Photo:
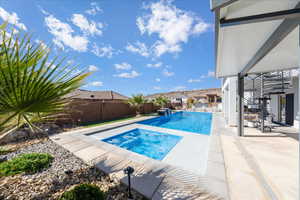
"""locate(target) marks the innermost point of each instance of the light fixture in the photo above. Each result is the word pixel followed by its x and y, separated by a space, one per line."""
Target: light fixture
pixel 128 171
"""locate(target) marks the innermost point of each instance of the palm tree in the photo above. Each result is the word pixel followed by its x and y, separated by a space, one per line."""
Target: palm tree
pixel 137 101
pixel 32 87
pixel 190 102
pixel 161 101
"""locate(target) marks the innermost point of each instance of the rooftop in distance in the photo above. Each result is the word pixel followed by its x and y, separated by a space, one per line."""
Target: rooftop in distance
pixel 99 95
pixel 188 93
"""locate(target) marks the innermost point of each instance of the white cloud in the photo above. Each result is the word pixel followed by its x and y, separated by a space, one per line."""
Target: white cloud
pixel 93 68
pixel 172 25
pixel 62 33
pixel 139 48
pixel 157 79
pixel 157 88
pixel 42 44
pixel 11 18
pixel 167 73
pixel 160 48
pixel 194 80
pixel 179 88
pixel 60 45
pixel 94 9
pixel 70 62
pixel 123 66
pixel 131 74
pixel 156 65
pixel 200 28
pixel 141 24
pixel 96 83
pixel 104 51
pixel 44 11
pixel 209 74
pixel 89 28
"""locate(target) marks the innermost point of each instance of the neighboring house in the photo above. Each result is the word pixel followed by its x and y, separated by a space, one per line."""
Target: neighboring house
pixel 201 99
pixel 204 98
pixel 94 106
pixel 181 99
pixel 210 99
pixel 104 96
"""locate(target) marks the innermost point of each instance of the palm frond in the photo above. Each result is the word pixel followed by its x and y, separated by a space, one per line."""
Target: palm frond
pixel 161 101
pixel 32 88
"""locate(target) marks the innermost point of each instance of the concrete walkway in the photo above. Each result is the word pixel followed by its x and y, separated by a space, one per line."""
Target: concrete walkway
pixel 261 166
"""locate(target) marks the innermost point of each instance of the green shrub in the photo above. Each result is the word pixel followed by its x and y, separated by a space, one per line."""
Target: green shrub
pixel 29 163
pixel 83 192
pixel 4 151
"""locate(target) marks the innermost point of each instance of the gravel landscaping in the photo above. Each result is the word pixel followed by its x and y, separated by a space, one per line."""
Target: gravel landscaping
pixel 65 171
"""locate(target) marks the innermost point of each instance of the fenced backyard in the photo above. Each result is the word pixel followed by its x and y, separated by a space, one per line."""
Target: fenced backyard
pixel 83 111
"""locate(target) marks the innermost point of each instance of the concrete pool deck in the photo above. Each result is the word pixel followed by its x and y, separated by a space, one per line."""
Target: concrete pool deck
pixel 182 174
pixel 261 165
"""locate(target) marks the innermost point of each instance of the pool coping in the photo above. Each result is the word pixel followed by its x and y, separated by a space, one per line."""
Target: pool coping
pixel 160 176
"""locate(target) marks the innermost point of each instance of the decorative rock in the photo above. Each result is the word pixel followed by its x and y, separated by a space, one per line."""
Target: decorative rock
pixel 3 159
pixel 68 172
pixel 25 133
pixel 52 182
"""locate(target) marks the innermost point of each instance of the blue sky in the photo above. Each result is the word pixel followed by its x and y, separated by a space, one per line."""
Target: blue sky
pixel 132 46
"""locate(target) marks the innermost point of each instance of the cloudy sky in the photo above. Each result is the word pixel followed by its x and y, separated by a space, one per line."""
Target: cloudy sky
pixel 131 46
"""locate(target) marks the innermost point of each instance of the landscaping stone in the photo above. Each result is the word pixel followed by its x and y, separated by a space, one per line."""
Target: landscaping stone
pixel 3 159
pixel 25 133
pixel 52 182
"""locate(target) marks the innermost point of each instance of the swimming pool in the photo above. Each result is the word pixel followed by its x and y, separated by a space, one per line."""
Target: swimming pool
pixel 152 144
pixel 196 122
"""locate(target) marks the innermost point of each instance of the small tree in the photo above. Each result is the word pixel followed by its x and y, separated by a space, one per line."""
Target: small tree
pixel 161 101
pixel 32 87
pixel 137 101
pixel 190 102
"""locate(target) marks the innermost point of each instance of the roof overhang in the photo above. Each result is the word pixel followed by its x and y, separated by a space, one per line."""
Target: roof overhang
pixel 256 36
pixel 217 4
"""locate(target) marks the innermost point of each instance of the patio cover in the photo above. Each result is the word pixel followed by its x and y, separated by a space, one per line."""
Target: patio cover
pixel 266 41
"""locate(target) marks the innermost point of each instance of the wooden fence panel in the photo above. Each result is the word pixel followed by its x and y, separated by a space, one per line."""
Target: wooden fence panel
pixel 85 111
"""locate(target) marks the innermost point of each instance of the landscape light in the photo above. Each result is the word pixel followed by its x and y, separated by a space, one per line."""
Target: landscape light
pixel 128 171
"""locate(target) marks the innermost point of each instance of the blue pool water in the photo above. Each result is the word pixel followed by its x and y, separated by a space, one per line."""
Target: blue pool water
pixel 197 122
pixel 155 145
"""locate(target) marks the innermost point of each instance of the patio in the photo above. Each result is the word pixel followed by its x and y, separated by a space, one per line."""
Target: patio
pixel 261 165
pixel 259 38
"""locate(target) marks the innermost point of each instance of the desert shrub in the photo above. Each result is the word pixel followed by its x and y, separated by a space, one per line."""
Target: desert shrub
pixel 28 163
pixel 4 151
pixel 82 192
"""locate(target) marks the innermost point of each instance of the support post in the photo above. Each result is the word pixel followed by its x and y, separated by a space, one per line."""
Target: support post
pixel 262 104
pixel 298 115
pixel 240 95
pixel 299 110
